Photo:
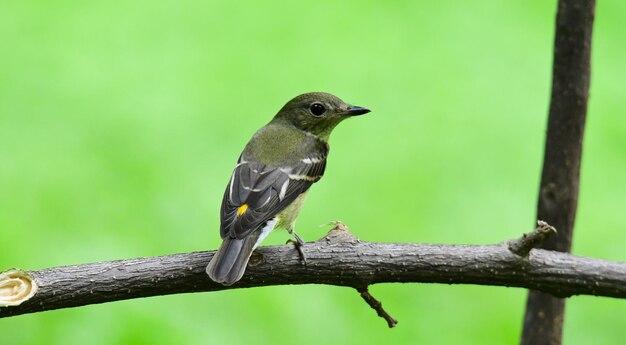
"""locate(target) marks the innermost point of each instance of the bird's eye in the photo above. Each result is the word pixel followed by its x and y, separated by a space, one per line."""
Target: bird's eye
pixel 317 109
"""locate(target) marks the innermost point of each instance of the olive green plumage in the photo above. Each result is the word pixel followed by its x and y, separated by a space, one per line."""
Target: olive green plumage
pixel 271 179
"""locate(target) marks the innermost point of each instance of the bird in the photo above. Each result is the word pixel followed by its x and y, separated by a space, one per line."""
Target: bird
pixel 272 178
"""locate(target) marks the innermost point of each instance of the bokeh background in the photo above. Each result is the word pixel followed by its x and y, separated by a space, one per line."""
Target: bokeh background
pixel 120 123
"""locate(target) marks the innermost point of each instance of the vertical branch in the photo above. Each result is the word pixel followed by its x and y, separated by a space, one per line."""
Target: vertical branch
pixel 558 194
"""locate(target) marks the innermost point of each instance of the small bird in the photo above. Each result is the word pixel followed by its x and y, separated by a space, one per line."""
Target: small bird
pixel 272 176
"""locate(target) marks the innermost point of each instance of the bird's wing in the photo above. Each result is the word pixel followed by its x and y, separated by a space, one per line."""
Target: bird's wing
pixel 256 192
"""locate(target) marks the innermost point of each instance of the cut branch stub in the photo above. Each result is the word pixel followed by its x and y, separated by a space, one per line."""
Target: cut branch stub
pixel 339 233
pixel 16 287
pixel 524 244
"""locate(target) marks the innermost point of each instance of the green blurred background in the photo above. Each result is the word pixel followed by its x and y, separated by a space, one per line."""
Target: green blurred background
pixel 120 123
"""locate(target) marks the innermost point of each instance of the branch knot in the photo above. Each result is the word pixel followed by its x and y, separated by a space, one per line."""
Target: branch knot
pixel 523 245
pixel 339 234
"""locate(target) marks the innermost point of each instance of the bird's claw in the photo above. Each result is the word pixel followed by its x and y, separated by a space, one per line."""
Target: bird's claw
pixel 298 243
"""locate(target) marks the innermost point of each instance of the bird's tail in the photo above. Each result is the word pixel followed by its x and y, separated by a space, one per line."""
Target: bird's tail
pixel 230 261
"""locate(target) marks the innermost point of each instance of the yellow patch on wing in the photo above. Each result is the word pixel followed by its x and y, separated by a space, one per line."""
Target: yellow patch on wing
pixel 242 209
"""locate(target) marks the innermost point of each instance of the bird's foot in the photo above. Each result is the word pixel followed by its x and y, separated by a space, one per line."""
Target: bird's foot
pixel 298 243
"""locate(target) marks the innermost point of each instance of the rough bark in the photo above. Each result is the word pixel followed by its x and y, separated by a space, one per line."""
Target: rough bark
pixel 558 194
pixel 337 259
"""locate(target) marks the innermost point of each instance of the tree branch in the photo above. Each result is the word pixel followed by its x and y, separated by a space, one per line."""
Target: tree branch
pixel 336 259
pixel 558 194
pixel 378 307
pixel 523 245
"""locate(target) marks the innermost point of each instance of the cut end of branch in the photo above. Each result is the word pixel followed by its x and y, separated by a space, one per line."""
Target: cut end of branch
pixel 378 306
pixel 16 287
pixel 523 245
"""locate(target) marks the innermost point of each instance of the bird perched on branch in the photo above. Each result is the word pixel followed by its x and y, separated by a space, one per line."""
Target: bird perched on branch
pixel 271 179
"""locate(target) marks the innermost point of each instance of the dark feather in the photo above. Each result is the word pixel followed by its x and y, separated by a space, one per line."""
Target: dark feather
pixel 230 261
pixel 262 188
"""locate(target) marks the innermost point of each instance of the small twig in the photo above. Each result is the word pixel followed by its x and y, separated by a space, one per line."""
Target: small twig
pixel 341 233
pixel 378 306
pixel 524 244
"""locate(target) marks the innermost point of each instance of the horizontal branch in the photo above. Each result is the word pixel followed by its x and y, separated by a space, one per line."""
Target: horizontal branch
pixel 337 259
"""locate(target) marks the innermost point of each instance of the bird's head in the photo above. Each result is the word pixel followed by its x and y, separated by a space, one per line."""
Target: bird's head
pixel 317 112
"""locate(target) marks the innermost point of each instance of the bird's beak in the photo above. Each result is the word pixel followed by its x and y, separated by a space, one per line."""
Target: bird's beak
pixel 354 110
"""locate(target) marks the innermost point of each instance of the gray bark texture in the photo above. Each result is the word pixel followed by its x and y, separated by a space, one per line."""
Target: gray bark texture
pixel 558 194
pixel 337 259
